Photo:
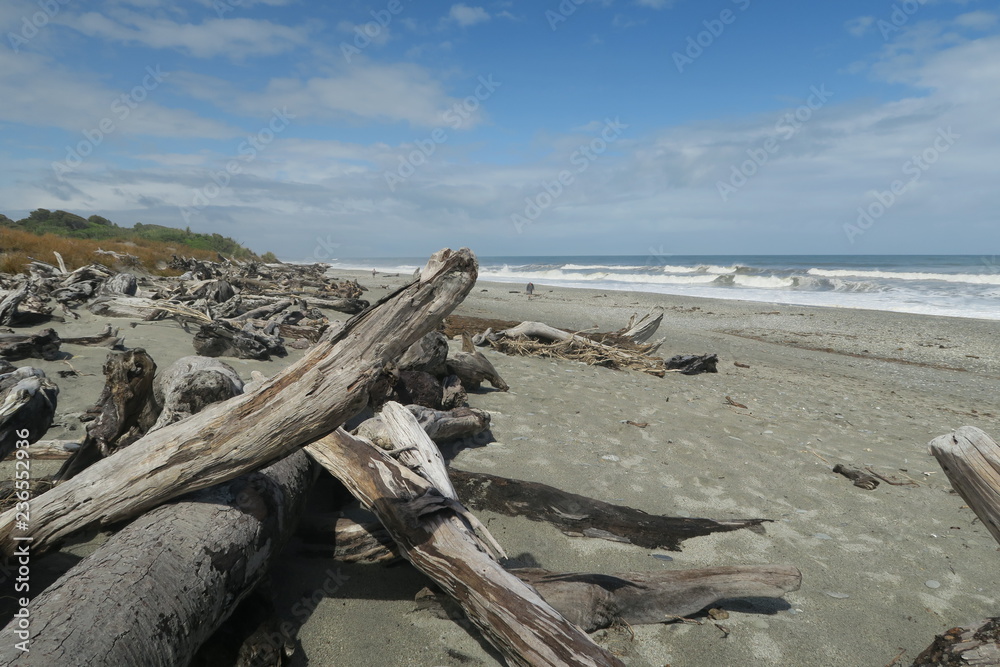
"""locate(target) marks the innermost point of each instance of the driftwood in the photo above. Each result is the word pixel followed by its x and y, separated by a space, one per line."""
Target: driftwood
pixel 579 516
pixel 453 394
pixel 155 591
pixel 42 345
pixel 431 532
pixel 8 307
pixel 121 283
pixel 107 337
pixel 692 364
pixel 221 339
pixel 52 450
pixel 125 410
pixel 429 354
pixel 27 405
pixel 539 339
pixel 971 460
pixel 133 307
pixel 300 404
pixel 472 367
pixel 349 306
pixel 190 384
pixel 861 479
pixel 641 330
pixel 348 541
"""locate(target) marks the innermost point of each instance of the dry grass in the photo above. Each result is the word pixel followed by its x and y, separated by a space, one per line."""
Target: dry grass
pixel 18 247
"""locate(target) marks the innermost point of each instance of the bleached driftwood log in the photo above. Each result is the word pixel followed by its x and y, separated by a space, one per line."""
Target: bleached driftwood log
pixel 971 459
pixel 431 532
pixel 641 330
pixel 27 406
pixel 429 354
pixel 303 402
pixel 157 589
pixel 190 384
pixel 9 304
pixel 439 425
pixel 472 367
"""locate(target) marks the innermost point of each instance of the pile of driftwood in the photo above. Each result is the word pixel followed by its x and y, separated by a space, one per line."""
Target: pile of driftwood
pixel 203 479
pixel 623 349
pixel 243 309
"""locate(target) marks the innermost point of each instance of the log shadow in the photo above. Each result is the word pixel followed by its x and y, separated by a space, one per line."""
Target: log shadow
pixel 45 571
pixel 753 605
pixel 451 448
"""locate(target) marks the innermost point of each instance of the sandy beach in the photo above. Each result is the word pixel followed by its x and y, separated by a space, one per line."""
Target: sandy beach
pixel 883 570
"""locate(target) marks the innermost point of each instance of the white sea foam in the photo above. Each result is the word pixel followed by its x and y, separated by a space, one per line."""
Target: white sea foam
pixel 972 278
pixel 764 282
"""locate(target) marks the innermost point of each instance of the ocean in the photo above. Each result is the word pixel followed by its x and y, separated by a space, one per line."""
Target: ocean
pixel 952 285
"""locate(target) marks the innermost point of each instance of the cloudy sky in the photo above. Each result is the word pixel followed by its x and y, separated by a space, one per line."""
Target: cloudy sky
pixel 394 128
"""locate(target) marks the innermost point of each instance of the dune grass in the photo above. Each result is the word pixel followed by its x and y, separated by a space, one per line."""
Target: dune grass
pixel 18 248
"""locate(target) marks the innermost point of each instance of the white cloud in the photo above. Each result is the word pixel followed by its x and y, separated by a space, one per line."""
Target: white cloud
pixel 365 90
pixel 233 37
pixel 859 26
pixel 465 16
pixel 979 20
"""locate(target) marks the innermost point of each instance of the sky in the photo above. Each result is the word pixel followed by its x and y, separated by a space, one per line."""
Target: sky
pixel 394 128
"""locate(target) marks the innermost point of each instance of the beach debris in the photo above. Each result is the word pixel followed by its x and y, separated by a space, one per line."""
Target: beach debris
pixel 28 402
pixel 978 644
pixel 636 424
pixel 42 345
pixel 740 364
pixel 862 480
pixel 472 367
pixel 640 329
pixel 573 514
pixel 611 350
pixel 730 401
pixel 109 338
pixel 693 364
pixel 838 596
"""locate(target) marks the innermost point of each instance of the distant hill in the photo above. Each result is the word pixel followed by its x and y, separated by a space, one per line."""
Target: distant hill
pixel 77 239
pixel 97 228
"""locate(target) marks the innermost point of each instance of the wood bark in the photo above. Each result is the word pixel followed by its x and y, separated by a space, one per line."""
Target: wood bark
pixel 156 590
pixel 303 402
pixel 472 367
pixel 8 307
pixel 579 516
pixel 429 354
pixel 431 532
pixel 439 425
pixel 222 339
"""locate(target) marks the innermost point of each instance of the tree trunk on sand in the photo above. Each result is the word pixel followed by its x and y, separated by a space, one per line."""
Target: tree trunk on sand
pixel 305 401
pixel 126 410
pixel 42 345
pixel 156 590
pixel 579 516
pixel 431 532
pixel 971 459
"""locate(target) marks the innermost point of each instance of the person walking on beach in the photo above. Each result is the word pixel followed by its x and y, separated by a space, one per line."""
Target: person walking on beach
pixel 530 289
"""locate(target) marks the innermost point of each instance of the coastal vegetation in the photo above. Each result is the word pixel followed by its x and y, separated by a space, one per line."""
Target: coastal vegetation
pixel 78 240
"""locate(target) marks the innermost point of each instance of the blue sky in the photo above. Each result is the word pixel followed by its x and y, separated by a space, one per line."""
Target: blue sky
pixel 394 128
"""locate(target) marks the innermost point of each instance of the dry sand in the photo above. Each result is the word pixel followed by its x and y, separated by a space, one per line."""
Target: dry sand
pixel 883 570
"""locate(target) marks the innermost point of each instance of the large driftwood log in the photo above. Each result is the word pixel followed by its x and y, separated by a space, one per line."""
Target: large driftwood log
pixel 190 384
pixel 42 345
pixel 27 407
pixel 971 460
pixel 303 402
pixel 472 367
pixel 580 516
pixel 429 354
pixel 432 534
pixel 156 590
pixel 125 410
pixel 221 339
pixel 439 425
